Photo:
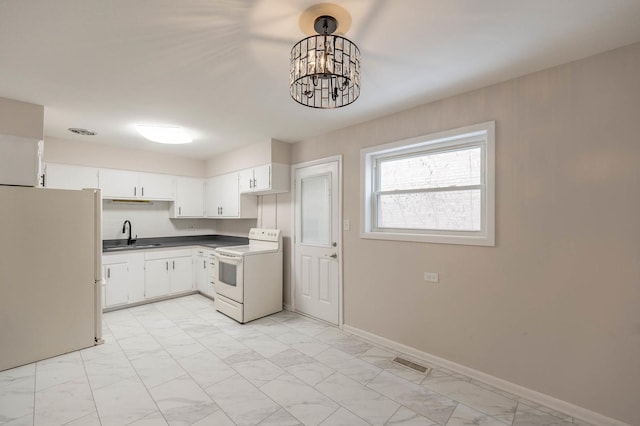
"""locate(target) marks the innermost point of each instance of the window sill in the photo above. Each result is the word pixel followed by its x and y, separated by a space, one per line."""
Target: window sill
pixel 480 240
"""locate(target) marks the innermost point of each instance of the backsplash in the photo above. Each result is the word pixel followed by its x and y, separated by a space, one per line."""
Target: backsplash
pixel 152 220
pixel 149 220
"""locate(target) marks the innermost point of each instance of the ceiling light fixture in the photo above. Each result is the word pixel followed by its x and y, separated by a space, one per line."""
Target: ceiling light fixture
pixel 325 68
pixel 164 134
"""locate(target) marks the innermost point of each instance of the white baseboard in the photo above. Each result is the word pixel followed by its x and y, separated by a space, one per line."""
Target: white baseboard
pixel 559 405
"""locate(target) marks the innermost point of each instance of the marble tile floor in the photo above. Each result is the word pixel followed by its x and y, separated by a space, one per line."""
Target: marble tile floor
pixel 179 362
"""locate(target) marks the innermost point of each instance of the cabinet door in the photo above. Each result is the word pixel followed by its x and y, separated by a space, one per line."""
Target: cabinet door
pixel 136 276
pixel 156 278
pixel 213 197
pixel 181 274
pixel 200 271
pixel 246 180
pixel 118 183
pixel 189 197
pixel 262 178
pixel 64 176
pixel 230 195
pixel 116 284
pixel 156 187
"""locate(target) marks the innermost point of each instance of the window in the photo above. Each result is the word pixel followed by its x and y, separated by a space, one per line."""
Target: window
pixel 436 188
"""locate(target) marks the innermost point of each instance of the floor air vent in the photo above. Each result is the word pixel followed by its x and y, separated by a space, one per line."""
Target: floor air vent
pixel 411 365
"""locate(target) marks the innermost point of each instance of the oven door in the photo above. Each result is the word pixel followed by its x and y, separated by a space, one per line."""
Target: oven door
pixel 229 281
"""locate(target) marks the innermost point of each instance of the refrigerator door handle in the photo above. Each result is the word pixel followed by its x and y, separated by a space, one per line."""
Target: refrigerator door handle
pixel 98 279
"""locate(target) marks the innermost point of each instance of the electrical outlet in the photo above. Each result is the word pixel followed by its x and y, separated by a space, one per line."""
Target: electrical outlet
pixel 431 277
pixel 346 224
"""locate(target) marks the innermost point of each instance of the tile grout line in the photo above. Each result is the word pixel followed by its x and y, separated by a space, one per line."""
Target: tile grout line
pixel 139 378
pixel 186 372
pixel 35 375
pixel 93 398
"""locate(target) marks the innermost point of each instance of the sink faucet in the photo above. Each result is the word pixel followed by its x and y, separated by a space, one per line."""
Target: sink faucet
pixel 124 229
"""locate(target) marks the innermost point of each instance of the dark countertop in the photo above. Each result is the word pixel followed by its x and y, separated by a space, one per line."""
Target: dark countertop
pixel 212 241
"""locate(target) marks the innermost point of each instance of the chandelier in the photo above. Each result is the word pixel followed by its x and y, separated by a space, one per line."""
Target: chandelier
pixel 325 68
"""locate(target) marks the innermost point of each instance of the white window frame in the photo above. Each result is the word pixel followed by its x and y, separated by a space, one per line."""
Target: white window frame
pixel 479 135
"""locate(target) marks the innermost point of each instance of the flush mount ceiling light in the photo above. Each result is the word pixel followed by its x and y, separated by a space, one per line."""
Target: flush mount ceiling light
pixel 164 134
pixel 325 68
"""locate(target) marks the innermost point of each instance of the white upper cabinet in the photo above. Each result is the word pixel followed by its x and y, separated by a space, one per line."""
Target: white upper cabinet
pixel 223 199
pixel 118 183
pixel 155 186
pixel 64 176
pixel 189 197
pixel 126 184
pixel 271 178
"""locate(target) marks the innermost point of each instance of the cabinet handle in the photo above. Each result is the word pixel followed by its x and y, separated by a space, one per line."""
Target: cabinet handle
pixel 108 272
pixel 167 264
pixel 179 210
pixel 204 264
pixel 135 191
pixel 143 191
pixel 254 182
pixel 174 265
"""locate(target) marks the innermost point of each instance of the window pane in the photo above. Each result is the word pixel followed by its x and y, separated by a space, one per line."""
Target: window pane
pixel 316 210
pixel 452 168
pixel 446 210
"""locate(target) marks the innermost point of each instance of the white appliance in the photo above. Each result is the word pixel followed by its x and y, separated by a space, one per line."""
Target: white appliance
pixel 50 272
pixel 249 280
pixel 20 161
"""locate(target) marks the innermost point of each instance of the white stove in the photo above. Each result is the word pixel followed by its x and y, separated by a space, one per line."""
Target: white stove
pixel 249 282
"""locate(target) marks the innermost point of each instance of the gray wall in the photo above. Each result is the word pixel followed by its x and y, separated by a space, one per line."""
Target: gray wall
pixel 555 306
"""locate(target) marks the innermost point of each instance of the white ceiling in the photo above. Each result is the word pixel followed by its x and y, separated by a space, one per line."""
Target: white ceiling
pixel 220 67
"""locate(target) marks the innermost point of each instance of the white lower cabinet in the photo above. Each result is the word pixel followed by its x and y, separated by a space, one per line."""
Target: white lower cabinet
pixel 116 290
pixel 205 267
pixel 156 278
pixel 137 276
pixel 123 276
pixel 167 272
pixel 182 273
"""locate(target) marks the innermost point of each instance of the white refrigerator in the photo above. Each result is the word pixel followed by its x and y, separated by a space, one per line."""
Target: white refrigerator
pixel 50 272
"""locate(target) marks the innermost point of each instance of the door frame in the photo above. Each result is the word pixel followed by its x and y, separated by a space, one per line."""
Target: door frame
pixel 294 168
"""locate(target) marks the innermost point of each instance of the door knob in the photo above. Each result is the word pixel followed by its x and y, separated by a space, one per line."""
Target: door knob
pixel 334 256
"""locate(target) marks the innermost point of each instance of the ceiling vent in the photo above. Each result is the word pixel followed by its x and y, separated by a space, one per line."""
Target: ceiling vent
pixel 82 132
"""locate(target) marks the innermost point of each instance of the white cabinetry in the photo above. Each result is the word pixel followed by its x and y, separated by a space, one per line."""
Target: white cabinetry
pixel 116 278
pixel 168 272
pixel 123 276
pixel 266 179
pixel 65 176
pixel 155 186
pixel 156 278
pixel 130 185
pixel 223 200
pixel 205 267
pixel 189 197
pixel 20 160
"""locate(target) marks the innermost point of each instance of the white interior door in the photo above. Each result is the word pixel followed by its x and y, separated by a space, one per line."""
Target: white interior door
pixel 317 267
